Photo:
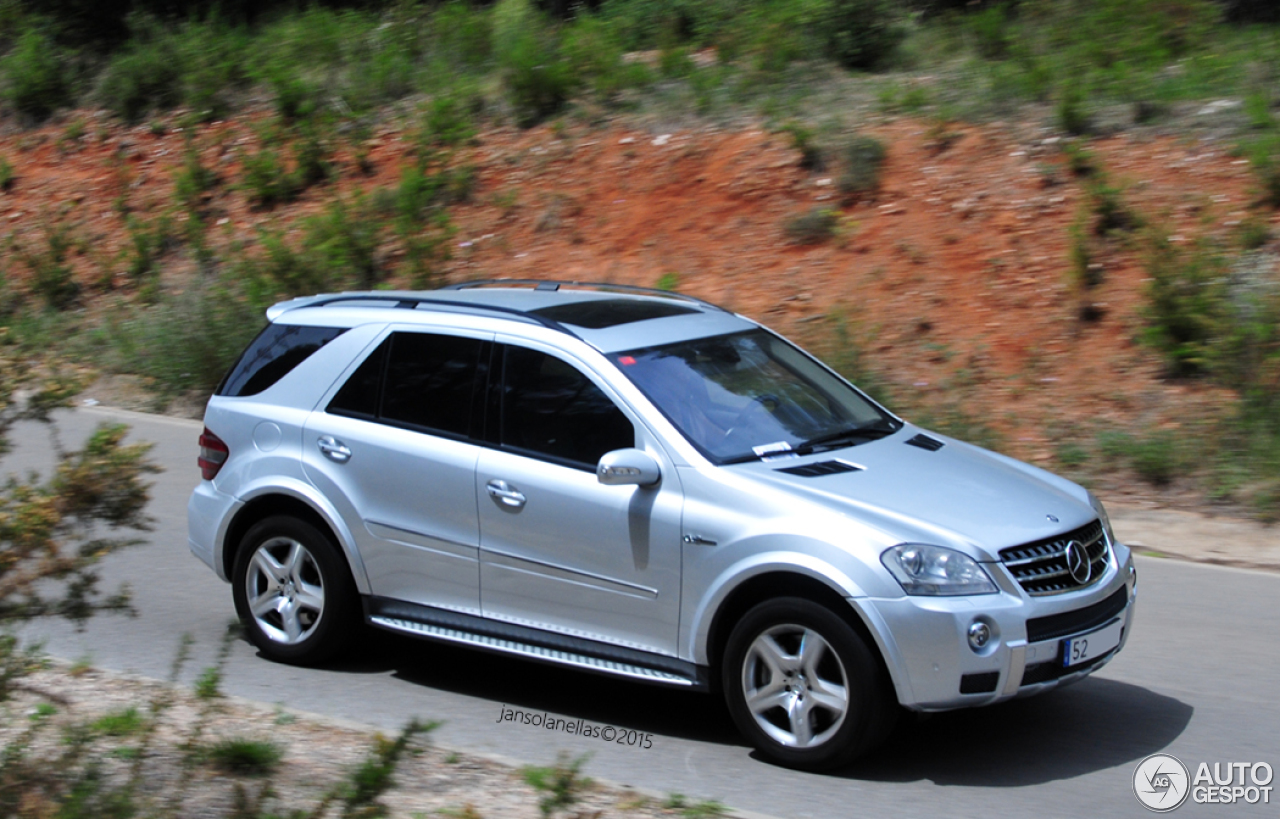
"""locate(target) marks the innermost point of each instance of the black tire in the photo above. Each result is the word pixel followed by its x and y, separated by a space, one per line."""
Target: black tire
pixel 800 699
pixel 317 632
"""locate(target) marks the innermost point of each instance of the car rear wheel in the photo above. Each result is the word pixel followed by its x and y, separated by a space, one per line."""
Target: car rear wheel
pixel 293 592
pixel 804 687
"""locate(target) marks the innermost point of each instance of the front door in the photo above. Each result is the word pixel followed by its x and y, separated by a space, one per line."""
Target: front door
pixel 559 550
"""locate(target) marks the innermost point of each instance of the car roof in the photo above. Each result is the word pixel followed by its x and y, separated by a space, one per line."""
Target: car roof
pixel 611 318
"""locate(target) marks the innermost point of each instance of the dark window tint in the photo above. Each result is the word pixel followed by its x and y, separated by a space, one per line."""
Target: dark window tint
pixel 550 408
pixel 359 396
pixel 275 352
pixel 430 381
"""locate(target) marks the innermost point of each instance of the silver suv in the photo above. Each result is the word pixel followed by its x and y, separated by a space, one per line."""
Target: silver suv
pixel 641 484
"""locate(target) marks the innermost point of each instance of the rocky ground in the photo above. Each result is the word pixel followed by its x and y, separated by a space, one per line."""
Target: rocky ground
pixel 171 727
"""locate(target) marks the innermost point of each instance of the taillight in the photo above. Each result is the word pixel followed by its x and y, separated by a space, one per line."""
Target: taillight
pixel 213 454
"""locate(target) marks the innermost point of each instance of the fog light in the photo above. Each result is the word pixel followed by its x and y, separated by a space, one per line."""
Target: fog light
pixel 979 636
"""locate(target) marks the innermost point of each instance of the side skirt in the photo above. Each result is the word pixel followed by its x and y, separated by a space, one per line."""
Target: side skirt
pixel 533 644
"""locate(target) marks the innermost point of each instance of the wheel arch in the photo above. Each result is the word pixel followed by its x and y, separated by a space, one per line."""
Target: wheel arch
pixel 281 501
pixel 783 582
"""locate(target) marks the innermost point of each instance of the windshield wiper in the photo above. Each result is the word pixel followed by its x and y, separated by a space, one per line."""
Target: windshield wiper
pixel 830 440
pixel 845 437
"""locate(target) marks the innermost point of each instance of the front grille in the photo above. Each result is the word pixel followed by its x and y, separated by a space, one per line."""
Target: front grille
pixel 1040 567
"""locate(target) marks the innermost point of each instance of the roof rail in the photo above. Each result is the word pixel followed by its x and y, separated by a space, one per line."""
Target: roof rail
pixel 409 301
pixel 542 284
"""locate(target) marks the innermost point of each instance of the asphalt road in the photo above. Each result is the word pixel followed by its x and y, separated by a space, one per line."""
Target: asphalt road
pixel 1199 680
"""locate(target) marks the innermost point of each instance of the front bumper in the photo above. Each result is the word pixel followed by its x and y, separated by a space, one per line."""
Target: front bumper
pixel 925 645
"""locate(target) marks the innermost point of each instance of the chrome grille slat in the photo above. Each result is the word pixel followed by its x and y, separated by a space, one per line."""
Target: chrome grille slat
pixel 1040 567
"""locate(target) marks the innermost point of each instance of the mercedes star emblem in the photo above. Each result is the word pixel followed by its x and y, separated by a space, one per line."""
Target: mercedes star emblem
pixel 1078 562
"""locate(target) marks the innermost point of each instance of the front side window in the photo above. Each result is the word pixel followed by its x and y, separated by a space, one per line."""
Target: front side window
pixel 273 355
pixel 420 380
pixel 550 409
pixel 748 395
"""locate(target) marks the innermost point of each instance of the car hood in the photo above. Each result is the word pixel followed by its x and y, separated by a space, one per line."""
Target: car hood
pixel 959 495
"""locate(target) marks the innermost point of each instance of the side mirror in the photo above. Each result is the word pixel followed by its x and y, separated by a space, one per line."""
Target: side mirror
pixel 628 467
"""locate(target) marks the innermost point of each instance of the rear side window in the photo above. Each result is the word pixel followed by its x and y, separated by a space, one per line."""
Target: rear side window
pixel 418 380
pixel 272 355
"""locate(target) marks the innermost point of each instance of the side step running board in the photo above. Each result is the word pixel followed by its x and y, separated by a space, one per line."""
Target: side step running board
pixel 485 633
pixel 531 652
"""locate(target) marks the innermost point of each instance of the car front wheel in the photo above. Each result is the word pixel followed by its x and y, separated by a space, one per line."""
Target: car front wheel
pixel 292 591
pixel 803 686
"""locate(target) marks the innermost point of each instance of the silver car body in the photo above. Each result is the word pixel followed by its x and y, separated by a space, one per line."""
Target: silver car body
pixel 647 569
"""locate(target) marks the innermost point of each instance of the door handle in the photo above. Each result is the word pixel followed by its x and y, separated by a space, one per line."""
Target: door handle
pixel 506 494
pixel 334 449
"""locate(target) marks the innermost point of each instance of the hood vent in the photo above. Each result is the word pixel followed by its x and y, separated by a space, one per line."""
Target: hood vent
pixel 925 442
pixel 819 469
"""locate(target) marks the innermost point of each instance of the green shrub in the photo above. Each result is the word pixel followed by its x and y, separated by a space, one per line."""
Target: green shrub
pixel 1071 113
pixel 463 34
pixel 1264 159
pixel 1085 273
pixel 215 66
pixel 812 227
pixel 539 81
pixel 1080 160
pixel 311 152
pixel 296 98
pixel 344 241
pixel 145 77
pixel 193 179
pixel 803 140
pixel 120 723
pixel 281 272
pixel 184 342
pixel 448 122
pixel 6 175
pixel 860 159
pixel 561 784
pixel 374 776
pixel 36 80
pixel 267 181
pixel 594 53
pixel 861 33
pixel 991 31
pixel 1110 213
pixel 1257 106
pixel 147 243
pixel 246 757
pixel 51 276
pixel 1187 309
pixel 1254 233
pixel 1157 456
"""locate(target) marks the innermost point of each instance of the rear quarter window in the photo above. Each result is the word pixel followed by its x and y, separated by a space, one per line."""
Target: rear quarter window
pixel 273 355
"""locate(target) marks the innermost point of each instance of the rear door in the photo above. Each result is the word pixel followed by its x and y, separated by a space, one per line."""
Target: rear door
pixel 559 550
pixel 393 447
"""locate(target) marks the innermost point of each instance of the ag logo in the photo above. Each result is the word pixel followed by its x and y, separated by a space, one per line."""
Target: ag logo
pixel 1160 782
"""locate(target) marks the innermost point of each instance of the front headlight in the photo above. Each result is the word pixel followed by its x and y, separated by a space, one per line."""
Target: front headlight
pixel 1102 516
pixel 933 570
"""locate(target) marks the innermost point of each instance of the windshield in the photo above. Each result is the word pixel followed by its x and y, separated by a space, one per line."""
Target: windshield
pixel 751 395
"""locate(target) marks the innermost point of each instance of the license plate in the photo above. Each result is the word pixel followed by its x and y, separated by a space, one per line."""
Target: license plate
pixel 1086 647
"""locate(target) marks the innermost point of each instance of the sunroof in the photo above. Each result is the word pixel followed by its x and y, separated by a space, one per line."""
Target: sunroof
pixel 598 314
